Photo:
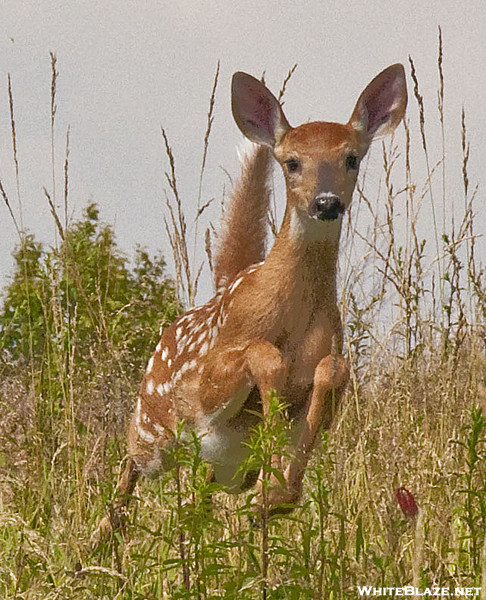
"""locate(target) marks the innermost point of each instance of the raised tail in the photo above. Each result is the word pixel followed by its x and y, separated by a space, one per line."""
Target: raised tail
pixel 243 230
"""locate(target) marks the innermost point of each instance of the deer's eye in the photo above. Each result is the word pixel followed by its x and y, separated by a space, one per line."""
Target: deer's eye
pixel 293 165
pixel 351 162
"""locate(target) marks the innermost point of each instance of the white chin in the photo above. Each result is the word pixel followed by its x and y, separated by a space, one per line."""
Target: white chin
pixel 314 229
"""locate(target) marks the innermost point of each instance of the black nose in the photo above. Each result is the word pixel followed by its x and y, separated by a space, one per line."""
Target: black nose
pixel 326 207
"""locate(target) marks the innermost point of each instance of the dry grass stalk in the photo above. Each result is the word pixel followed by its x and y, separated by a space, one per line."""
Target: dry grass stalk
pixel 14 149
pixel 209 125
pixel 187 274
pixel 285 82
pixel 420 103
pixel 176 229
pixel 440 106
pixel 54 76
pixel 66 178
pixel 9 208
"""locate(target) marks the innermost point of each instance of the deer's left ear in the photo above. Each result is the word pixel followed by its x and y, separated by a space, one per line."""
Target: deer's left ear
pixel 382 104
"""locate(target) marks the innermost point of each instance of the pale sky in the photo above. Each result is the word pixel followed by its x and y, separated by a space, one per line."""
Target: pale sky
pixel 128 67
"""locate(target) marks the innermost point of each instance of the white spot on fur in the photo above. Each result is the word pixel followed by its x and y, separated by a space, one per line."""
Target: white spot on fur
pixel 188 366
pixel 169 362
pixel 138 410
pixel 197 329
pixel 159 346
pixel 181 346
pixel 254 267
pixel 150 365
pixel 235 284
pixel 203 349
pixel 150 386
pixel 159 429
pixel 164 354
pixel 145 435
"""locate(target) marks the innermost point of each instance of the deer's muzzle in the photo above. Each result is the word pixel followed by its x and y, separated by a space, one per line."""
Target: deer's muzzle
pixel 326 207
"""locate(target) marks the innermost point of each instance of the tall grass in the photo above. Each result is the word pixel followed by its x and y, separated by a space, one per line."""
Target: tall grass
pixel 413 415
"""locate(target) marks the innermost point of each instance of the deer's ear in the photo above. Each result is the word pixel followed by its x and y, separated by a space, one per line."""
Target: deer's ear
pixel 257 112
pixel 382 104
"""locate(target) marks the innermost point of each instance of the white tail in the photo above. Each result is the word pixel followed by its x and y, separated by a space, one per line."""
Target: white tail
pixel 274 325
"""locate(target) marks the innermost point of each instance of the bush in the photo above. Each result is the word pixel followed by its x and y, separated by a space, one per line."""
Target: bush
pixel 84 299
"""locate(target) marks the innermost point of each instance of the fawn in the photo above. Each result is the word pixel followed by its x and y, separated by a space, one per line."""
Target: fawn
pixel 273 323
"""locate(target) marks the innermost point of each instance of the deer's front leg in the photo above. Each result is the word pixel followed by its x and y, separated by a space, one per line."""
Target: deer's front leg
pixel 330 377
pixel 269 371
pixel 267 368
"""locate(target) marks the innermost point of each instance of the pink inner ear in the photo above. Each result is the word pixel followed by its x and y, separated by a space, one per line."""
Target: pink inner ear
pixel 379 105
pixel 257 110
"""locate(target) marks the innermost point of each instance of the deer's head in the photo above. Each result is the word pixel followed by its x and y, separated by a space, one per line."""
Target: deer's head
pixel 320 160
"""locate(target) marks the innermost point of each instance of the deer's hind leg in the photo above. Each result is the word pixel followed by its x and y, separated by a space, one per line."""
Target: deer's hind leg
pixel 146 456
pixel 113 521
pixel 237 371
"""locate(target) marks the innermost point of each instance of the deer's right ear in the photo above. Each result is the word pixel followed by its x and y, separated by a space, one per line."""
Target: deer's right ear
pixel 257 112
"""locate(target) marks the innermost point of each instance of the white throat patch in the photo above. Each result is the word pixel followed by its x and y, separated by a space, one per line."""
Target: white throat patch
pixel 314 230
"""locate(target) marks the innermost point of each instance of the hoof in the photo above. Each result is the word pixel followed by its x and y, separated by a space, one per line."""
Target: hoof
pixel 105 530
pixel 102 533
pixel 279 501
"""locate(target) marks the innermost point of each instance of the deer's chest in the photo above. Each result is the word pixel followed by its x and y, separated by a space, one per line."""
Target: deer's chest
pixel 305 343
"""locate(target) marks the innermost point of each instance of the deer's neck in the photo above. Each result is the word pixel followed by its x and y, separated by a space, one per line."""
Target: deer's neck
pixel 304 260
